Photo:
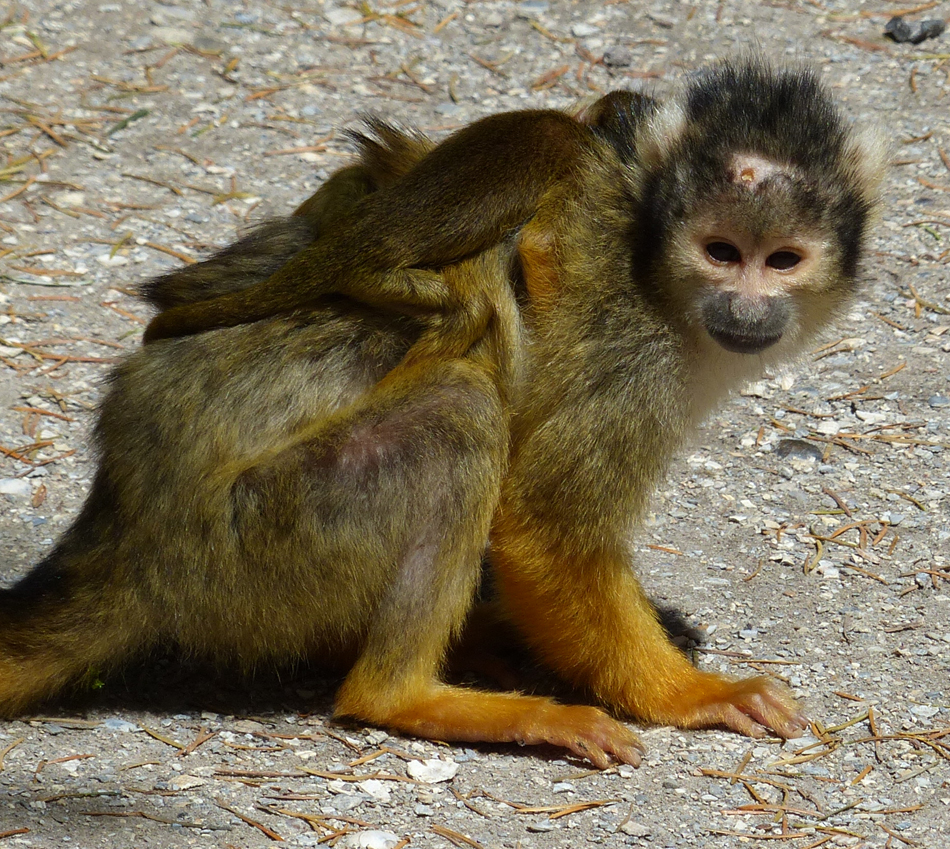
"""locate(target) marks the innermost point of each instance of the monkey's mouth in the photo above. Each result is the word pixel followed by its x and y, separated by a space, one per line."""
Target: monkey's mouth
pixel 742 324
pixel 744 344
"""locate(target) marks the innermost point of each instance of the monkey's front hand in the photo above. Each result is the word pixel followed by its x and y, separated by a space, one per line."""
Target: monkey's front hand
pixel 642 675
pixel 664 688
pixel 751 706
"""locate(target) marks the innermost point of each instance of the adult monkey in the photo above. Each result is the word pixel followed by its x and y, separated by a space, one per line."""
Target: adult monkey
pixel 324 481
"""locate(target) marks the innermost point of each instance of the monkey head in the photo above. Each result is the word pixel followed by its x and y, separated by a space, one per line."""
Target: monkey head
pixel 755 197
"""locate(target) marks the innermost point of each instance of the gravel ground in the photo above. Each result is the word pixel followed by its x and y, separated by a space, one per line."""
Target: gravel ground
pixel 805 535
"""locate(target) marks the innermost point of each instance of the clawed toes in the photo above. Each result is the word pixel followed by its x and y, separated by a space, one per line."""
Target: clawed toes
pixel 793 726
pixel 607 742
pixel 630 750
pixel 631 754
pixel 767 705
pixel 623 744
pixel 591 752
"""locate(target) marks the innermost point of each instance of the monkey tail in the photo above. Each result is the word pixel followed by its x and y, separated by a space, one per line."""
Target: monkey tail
pixel 60 626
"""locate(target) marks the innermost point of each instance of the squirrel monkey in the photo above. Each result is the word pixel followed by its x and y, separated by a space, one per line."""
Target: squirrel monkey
pixel 496 343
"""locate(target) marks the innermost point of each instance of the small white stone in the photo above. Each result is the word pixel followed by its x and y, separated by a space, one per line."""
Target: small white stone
pixel 433 770
pixel 69 198
pixel 186 782
pixel 759 389
pixel 541 826
pixel 635 829
pixel 110 261
pixel 376 737
pixel 114 724
pixel 532 8
pixel 373 839
pixel 379 790
pixel 871 418
pixel 582 30
pixel 15 486
pixel 171 35
pixel 827 569
pixel 342 17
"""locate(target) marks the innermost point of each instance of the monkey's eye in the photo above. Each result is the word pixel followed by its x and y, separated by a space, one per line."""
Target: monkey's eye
pixel 723 252
pixel 783 260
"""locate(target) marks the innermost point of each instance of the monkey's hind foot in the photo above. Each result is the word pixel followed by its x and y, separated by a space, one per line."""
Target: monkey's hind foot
pixel 472 716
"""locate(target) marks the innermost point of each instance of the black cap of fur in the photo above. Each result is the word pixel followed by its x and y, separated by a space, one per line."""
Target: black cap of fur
pixel 782 115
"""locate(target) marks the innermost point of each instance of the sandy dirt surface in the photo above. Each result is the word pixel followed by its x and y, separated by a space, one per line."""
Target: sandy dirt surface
pixel 137 134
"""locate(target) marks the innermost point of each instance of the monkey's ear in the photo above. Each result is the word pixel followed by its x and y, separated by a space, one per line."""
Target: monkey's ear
pixel 617 117
pixel 661 133
pixel 587 110
pixel 867 155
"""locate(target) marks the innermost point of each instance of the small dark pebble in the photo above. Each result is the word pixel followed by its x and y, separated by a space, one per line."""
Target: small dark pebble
pixel 209 44
pixel 618 57
pixel 898 29
pixel 913 32
pixel 936 401
pixel 798 448
pixel 931 28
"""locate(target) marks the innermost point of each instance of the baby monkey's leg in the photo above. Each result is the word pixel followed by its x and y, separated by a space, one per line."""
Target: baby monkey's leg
pixel 264 249
pixel 385 155
pixel 462 198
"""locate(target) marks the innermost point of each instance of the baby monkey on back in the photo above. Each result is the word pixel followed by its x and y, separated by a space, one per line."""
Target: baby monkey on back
pixel 489 347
